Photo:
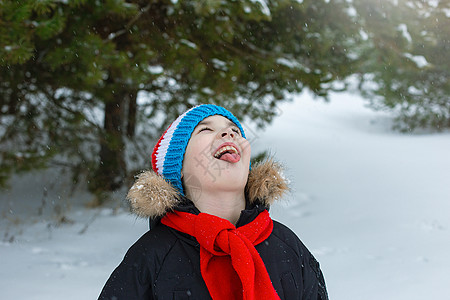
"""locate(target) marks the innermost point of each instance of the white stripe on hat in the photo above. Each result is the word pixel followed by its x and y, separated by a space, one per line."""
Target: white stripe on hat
pixel 165 142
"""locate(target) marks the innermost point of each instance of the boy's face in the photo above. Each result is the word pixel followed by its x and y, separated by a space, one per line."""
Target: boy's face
pixel 217 156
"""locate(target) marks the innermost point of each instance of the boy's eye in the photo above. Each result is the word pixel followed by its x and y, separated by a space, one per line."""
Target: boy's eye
pixel 205 128
pixel 236 130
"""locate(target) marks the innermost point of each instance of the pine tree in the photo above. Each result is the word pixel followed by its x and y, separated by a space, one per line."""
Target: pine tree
pixel 91 84
pixel 71 71
pixel 408 63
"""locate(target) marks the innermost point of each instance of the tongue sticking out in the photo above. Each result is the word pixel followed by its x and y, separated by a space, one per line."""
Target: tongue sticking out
pixel 230 157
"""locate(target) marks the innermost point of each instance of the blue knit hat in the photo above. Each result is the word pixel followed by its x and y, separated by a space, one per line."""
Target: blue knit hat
pixel 168 154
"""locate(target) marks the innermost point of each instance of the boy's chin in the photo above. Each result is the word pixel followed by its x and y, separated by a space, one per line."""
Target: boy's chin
pixel 231 178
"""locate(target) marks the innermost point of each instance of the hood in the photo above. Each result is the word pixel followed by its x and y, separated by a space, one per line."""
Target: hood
pixel 152 196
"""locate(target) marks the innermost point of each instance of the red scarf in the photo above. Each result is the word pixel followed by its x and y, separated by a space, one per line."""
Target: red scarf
pixel 230 265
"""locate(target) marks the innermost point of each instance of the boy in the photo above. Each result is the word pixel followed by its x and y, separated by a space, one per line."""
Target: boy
pixel 211 235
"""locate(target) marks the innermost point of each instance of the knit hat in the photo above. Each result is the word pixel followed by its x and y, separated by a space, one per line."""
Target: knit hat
pixel 168 154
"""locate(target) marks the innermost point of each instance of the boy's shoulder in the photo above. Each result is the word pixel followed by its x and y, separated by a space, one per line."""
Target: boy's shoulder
pixel 157 241
pixel 287 236
pixel 281 230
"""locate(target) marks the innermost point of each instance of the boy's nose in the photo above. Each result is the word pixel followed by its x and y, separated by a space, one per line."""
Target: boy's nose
pixel 227 132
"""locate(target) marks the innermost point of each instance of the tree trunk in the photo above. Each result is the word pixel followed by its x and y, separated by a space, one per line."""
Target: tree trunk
pixel 112 168
pixel 132 110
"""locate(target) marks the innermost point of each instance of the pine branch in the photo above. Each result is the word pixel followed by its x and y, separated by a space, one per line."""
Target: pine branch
pixel 127 27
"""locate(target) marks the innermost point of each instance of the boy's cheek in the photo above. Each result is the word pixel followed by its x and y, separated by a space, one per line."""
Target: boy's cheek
pixel 245 146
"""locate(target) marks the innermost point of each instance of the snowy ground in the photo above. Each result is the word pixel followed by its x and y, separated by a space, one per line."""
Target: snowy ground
pixel 371 204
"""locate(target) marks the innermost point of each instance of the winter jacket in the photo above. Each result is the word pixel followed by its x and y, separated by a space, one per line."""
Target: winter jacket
pixel 165 263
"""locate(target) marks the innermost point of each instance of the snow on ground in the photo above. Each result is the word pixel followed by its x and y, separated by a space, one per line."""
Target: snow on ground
pixel 371 204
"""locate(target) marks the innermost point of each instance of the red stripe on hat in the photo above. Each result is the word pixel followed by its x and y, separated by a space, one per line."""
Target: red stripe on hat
pixel 155 149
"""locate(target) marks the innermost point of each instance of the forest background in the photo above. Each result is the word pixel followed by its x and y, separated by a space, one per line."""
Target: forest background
pixel 89 85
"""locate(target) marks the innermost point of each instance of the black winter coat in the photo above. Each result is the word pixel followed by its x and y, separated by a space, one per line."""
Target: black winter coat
pixel 164 263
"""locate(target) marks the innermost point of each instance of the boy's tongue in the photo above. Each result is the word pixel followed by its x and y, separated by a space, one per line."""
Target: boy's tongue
pixel 230 157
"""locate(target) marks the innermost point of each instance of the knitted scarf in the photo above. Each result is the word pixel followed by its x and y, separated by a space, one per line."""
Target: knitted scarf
pixel 230 265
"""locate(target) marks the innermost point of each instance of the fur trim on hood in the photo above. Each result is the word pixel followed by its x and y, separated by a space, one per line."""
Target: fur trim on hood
pixel 152 196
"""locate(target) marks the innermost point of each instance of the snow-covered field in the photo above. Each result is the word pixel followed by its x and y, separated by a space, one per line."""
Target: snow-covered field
pixel 371 204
